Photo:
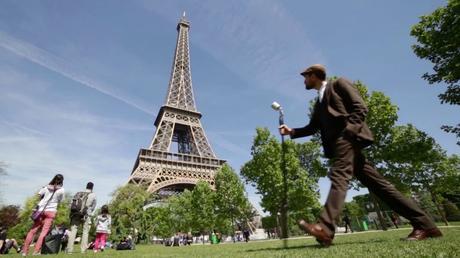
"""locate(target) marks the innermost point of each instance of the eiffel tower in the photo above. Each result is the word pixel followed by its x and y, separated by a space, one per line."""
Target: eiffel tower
pixel 178 124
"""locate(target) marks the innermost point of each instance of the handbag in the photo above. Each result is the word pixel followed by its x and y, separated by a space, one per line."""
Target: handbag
pixel 36 213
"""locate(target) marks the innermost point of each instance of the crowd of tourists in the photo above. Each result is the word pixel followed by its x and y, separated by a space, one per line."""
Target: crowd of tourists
pixel 82 209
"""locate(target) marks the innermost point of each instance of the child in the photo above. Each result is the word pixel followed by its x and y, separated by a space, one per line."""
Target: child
pixel 103 223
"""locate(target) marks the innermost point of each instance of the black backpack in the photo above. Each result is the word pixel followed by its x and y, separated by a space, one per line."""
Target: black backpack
pixel 78 205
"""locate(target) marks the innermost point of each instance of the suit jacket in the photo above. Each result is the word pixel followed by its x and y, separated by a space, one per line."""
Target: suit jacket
pixel 345 104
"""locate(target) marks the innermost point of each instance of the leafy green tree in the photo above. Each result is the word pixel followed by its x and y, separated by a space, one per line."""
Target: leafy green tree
pixel 160 223
pixel 203 209
pixel 230 200
pixel 310 159
pixel 450 180
pixel 181 212
pixel 264 172
pixel 269 223
pixel 446 187
pixel 419 162
pixel 126 210
pixel 356 211
pixel 438 36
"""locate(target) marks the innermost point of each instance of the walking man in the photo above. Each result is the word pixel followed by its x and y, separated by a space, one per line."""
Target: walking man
pixel 339 114
pixel 347 222
pixel 81 210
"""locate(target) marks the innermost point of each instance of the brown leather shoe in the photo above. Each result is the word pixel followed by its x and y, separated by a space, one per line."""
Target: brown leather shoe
pixel 422 234
pixel 317 231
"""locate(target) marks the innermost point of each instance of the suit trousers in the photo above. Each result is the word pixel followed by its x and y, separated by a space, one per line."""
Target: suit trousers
pixel 348 161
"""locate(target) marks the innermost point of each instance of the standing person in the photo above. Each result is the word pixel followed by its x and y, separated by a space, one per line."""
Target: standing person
pixel 346 220
pixel 394 219
pixel 189 238
pixel 103 223
pixel 246 234
pixel 51 195
pixel 81 210
pixel 339 115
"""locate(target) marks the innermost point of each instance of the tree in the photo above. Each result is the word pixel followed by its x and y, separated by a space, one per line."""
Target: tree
pixel 181 212
pixel 449 182
pixel 419 162
pixel 9 215
pixel 264 172
pixel 160 223
pixel 310 159
pixel 230 200
pixel 446 186
pixel 126 210
pixel 203 210
pixel 269 223
pixel 438 36
pixel 356 211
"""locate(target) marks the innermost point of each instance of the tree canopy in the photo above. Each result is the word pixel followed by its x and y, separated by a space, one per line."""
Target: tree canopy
pixel 438 40
pixel 264 172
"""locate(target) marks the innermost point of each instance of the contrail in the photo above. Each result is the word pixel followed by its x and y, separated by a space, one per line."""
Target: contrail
pixel 60 66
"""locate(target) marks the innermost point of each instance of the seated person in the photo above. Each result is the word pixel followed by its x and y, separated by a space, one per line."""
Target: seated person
pixel 126 244
pixel 6 244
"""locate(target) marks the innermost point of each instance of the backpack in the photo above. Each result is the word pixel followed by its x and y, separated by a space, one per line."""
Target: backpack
pixel 78 205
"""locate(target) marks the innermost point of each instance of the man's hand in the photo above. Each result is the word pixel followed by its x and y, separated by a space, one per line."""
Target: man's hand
pixel 285 130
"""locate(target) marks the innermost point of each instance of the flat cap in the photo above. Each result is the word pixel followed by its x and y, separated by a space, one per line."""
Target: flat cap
pixel 314 68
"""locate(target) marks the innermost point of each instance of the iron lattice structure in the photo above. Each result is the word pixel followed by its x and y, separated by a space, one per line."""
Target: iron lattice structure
pixel 178 125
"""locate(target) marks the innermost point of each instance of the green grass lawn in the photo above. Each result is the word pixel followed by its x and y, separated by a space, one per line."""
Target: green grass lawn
pixel 365 244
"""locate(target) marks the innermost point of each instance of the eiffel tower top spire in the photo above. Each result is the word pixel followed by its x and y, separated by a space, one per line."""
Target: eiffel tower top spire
pixel 180 91
pixel 180 154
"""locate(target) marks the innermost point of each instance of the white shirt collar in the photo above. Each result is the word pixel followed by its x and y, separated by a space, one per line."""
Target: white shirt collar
pixel 321 91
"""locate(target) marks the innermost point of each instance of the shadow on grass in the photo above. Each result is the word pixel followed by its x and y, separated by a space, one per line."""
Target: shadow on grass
pixel 315 246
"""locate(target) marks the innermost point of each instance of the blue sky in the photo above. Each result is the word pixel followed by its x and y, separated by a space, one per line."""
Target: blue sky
pixel 82 81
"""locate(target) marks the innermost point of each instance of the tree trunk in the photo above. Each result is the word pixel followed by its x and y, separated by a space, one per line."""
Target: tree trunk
pixel 233 230
pixel 379 211
pixel 357 221
pixel 435 201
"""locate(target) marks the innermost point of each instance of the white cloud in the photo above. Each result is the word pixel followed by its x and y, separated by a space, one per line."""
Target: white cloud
pixel 62 67
pixel 220 140
pixel 39 138
pixel 257 40
pixel 33 160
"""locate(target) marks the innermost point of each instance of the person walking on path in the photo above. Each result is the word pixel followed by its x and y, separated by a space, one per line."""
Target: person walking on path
pixel 339 115
pixel 346 220
pixel 51 195
pixel 81 210
pixel 103 223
